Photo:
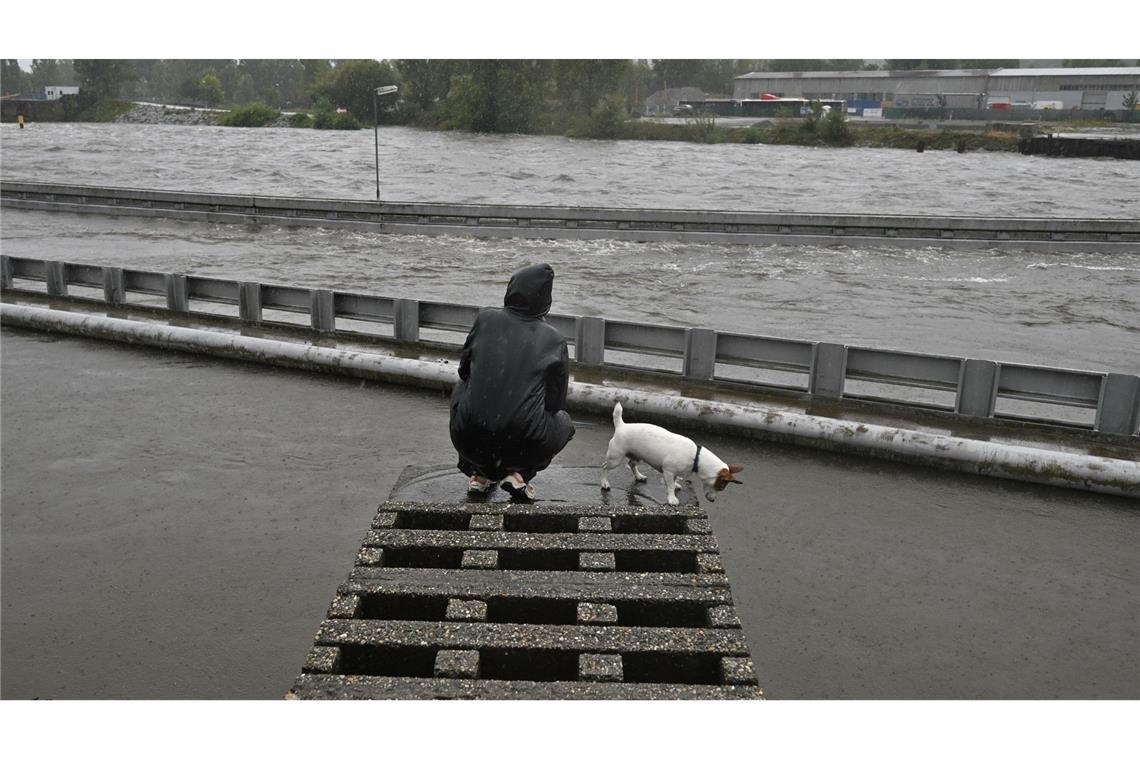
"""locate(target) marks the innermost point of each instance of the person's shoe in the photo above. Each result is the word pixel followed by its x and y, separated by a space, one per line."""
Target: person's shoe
pixel 518 488
pixel 479 484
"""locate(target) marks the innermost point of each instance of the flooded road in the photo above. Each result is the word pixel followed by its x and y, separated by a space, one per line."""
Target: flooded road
pixel 175 528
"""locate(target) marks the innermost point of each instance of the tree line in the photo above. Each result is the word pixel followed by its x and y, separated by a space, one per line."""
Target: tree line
pixel 479 95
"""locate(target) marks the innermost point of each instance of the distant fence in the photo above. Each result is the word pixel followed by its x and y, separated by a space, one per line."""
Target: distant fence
pixel 574 222
pixel 973 388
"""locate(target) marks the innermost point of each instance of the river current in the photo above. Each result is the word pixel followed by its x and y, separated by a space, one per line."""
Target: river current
pixel 1060 309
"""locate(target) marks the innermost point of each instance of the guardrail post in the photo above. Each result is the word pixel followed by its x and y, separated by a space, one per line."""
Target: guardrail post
pixel 322 311
pixel 177 296
pixel 977 391
pixel 249 301
pixel 113 291
pixel 590 341
pixel 1119 408
pixel 406 320
pixel 5 273
pixel 56 278
pixel 828 370
pixel 700 353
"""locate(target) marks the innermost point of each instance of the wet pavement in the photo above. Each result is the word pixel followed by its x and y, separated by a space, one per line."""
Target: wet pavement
pixel 174 527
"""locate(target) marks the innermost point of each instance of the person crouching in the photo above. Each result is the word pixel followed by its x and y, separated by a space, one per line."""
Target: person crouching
pixel 507 415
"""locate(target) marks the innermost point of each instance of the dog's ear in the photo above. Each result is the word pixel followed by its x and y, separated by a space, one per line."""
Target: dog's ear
pixel 732 470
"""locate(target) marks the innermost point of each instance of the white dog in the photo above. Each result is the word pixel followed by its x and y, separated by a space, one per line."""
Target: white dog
pixel 674 455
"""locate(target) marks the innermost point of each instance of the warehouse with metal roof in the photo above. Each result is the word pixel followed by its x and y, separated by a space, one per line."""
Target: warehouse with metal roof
pixel 1085 89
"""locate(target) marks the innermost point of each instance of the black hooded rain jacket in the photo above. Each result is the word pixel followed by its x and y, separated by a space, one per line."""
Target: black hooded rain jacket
pixel 506 411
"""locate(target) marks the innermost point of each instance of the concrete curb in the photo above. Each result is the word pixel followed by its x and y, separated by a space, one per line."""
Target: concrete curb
pixel 1085 472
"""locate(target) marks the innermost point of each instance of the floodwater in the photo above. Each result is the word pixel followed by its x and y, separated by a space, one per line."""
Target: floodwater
pixel 175 527
pixel 1078 310
pixel 418 165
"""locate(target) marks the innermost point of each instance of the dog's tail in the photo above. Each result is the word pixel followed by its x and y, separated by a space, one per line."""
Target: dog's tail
pixel 618 421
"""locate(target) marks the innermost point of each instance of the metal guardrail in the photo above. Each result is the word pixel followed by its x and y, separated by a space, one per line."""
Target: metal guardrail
pixel 584 222
pixel 971 387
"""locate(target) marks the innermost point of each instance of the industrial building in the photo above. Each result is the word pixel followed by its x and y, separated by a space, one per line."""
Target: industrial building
pixel 1086 89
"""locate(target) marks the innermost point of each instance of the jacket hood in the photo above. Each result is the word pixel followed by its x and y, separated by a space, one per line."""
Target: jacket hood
pixel 529 291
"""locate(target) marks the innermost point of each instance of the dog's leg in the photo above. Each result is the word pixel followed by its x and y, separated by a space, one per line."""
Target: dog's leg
pixel 612 460
pixel 670 487
pixel 638 476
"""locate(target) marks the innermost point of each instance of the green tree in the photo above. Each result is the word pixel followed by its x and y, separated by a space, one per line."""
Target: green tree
pixel 425 83
pixel 1092 63
pixel 497 95
pixel 48 72
pixel 353 83
pixel 989 63
pixel 13 79
pixel 103 78
pixel 315 73
pixel 915 64
pixel 579 85
pixel 210 89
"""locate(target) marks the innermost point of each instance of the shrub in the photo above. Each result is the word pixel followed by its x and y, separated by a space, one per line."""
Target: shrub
pixel 250 115
pixel 300 120
pixel 607 117
pixel 833 129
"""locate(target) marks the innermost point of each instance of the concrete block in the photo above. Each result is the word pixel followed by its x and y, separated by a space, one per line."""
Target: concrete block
pixel 385 520
pixel 723 616
pixel 457 663
pixel 473 610
pixel 698 526
pixel 709 563
pixel 595 525
pixel 595 613
pixel 596 561
pixel 480 559
pixel 486 522
pixel 322 659
pixel 5 273
pixel 599 667
pixel 344 606
pixel 737 671
pixel 370 556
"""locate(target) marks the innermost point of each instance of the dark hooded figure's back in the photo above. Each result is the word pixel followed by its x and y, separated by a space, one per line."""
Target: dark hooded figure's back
pixel 513 376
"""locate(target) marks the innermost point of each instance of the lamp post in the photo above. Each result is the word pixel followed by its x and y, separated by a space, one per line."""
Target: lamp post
pixel 388 89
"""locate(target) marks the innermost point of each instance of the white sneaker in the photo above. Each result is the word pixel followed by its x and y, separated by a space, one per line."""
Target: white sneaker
pixel 478 484
pixel 518 488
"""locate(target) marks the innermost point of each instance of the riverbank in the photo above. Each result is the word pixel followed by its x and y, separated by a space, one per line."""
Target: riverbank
pixel 999 138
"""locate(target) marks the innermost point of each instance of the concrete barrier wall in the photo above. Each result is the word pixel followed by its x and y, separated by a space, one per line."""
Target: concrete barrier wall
pixel 585 222
pixel 963 387
pixel 1114 476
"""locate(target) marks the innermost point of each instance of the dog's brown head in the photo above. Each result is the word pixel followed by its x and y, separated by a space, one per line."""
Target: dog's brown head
pixel 726 476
